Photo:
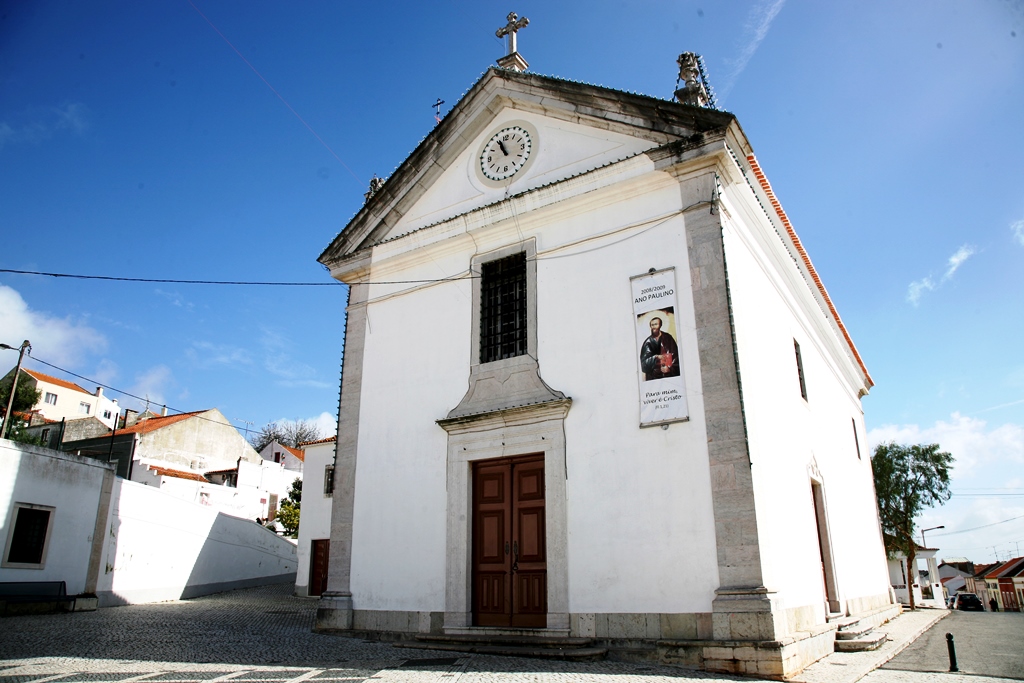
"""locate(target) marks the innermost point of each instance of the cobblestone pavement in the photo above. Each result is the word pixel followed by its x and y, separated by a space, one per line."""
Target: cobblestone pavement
pixel 264 634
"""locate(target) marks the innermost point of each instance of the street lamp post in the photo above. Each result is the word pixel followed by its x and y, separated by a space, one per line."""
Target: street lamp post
pixel 14 386
pixel 931 528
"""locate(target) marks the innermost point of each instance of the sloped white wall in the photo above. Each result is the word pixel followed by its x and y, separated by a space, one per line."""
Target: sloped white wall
pixel 159 547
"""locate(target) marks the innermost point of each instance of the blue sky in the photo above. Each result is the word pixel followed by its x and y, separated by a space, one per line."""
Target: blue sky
pixel 136 142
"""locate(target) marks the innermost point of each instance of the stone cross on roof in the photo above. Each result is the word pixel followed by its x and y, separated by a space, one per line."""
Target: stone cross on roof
pixel 513 60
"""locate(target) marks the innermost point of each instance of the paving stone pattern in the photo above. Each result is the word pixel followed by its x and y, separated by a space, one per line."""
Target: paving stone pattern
pixel 265 634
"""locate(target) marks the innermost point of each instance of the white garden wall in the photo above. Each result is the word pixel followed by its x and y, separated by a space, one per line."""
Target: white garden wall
pixel 159 547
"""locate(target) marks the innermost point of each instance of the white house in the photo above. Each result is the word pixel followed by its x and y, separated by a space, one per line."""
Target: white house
pixel 927 584
pixel 290 458
pixel 315 520
pixel 60 399
pixel 593 385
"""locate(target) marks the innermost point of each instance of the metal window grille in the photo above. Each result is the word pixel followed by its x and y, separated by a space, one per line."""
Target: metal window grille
pixel 329 480
pixel 503 315
pixel 800 370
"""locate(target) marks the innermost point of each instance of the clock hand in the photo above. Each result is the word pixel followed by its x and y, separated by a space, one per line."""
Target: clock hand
pixel 502 145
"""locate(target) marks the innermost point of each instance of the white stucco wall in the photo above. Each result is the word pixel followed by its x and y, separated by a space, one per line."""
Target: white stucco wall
pixel 159 547
pixel 789 436
pixel 641 535
pixel 72 486
pixel 315 517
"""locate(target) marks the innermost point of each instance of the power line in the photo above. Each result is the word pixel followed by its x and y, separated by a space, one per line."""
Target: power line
pixel 112 278
pixel 983 526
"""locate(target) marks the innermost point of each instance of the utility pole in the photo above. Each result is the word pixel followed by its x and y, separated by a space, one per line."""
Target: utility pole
pixel 25 346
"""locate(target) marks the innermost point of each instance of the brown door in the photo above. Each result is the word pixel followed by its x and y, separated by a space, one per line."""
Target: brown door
pixel 509 555
pixel 319 558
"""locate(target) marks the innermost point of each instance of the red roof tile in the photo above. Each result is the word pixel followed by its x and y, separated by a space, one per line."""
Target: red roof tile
pixel 318 441
pixel 296 452
pixel 767 188
pixel 43 377
pixel 154 423
pixel 179 474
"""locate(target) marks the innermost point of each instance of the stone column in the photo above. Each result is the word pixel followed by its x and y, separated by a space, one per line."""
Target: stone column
pixel 334 611
pixel 743 609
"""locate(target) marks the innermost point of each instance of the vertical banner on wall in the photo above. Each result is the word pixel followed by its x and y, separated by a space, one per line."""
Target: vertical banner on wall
pixel 662 387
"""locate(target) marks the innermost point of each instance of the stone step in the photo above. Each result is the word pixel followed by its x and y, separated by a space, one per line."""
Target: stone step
pixel 536 641
pixel 870 641
pixel 853 631
pixel 572 654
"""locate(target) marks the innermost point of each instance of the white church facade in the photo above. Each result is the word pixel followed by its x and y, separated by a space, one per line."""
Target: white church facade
pixel 593 386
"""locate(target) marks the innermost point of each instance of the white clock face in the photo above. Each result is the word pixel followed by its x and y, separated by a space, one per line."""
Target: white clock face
pixel 506 153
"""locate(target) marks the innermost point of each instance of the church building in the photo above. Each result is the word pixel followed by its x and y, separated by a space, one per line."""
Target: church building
pixel 594 387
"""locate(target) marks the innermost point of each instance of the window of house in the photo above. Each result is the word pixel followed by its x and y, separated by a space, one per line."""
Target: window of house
pixel 277 456
pixel 51 398
pixel 856 439
pixel 329 480
pixel 46 435
pixel 800 370
pixel 84 408
pixel 503 308
pixel 106 414
pixel 29 536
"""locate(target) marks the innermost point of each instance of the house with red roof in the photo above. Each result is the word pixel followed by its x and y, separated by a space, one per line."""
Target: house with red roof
pixel 63 400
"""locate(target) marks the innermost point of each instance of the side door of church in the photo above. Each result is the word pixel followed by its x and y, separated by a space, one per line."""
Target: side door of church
pixel 509 553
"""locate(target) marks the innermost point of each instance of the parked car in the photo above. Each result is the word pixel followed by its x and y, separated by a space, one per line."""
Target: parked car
pixel 968 602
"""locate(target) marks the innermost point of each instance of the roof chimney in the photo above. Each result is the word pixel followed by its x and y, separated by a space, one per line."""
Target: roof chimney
pixel 99 391
pixel 163 412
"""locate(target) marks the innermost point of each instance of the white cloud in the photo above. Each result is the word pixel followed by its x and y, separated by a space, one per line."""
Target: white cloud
pixel 38 124
pixel 926 284
pixel 759 21
pixel 968 439
pixel 326 423
pixel 106 372
pixel 1017 229
pixel 206 354
pixel 957 259
pixel 153 385
pixel 61 341
pixel 279 362
pixel 917 288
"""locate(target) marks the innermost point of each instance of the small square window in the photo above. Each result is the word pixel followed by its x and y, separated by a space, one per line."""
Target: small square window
pixel 29 536
pixel 84 408
pixel 51 398
pixel 107 414
pixel 46 435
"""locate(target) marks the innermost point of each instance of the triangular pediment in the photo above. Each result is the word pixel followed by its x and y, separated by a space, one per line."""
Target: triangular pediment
pixel 569 129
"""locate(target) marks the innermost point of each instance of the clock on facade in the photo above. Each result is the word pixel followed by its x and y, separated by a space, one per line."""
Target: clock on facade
pixel 507 151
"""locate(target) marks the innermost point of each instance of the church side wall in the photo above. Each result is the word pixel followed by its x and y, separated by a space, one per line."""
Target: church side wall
pixel 639 514
pixel 793 440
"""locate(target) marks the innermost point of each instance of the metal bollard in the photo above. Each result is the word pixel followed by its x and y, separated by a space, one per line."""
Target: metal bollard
pixel 952 652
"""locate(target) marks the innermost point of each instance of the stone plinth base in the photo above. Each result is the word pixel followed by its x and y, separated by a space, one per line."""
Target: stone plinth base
pixel 765 658
pixel 334 612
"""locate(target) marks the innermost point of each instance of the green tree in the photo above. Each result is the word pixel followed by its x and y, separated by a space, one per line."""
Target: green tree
pixel 25 397
pixel 288 514
pixel 908 479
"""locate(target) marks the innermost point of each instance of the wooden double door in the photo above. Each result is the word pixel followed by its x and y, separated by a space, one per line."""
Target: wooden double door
pixel 510 585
